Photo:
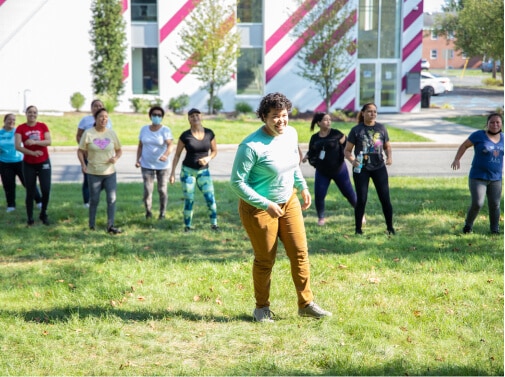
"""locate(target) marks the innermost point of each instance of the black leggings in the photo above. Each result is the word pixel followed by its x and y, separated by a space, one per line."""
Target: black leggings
pixel 381 183
pixel 31 172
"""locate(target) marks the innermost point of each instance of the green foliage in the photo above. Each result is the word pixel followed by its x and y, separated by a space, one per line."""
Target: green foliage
pixel 155 301
pixel 109 101
pixel 141 105
pixel 108 56
pixel 77 101
pixel 326 55
pixel 478 27
pixel 209 42
pixel 216 105
pixel 128 126
pixel 178 104
pixel 243 108
pixel 489 81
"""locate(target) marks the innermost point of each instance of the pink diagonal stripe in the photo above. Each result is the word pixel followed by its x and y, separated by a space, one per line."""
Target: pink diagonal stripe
pixel 191 61
pixel 413 16
pixel 126 71
pixel 411 103
pixel 124 5
pixel 288 24
pixel 412 45
pixel 341 88
pixel 2 2
pixel 184 69
pixel 285 58
pixel 177 18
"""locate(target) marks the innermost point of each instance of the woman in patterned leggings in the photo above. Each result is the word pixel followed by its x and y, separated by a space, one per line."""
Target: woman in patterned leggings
pixel 197 141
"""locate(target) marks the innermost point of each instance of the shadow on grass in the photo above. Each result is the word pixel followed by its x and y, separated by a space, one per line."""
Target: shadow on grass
pixel 66 314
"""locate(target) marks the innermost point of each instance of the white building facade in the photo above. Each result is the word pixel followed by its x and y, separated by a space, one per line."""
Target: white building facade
pixel 45 45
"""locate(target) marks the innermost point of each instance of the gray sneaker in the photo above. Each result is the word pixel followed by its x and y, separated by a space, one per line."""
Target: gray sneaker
pixel 313 310
pixel 263 314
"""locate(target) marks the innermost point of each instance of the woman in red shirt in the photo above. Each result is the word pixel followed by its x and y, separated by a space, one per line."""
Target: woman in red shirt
pixel 32 139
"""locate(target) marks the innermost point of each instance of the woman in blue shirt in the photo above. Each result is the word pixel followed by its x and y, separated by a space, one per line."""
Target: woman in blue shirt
pixel 485 177
pixel 11 164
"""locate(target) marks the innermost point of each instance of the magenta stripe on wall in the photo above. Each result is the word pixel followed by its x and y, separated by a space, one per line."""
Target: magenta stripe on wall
pixel 341 88
pixel 412 102
pixel 2 1
pixel 124 5
pixel 184 69
pixel 288 25
pixel 412 45
pixel 177 18
pixel 413 16
pixel 126 71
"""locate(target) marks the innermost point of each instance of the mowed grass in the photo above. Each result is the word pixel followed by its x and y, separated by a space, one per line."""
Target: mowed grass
pixel 227 130
pixel 157 301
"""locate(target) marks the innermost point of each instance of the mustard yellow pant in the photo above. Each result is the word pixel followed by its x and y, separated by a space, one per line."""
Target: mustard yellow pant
pixel 264 232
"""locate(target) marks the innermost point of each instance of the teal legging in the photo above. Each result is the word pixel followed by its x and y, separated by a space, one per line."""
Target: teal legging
pixel 202 179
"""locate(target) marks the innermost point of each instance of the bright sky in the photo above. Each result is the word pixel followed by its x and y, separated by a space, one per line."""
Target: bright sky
pixel 433 5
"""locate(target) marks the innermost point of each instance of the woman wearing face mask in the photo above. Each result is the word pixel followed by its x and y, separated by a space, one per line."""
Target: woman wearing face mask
pixel 153 151
pixel 485 177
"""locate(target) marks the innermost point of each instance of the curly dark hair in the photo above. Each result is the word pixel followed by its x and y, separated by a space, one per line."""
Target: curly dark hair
pixel 276 101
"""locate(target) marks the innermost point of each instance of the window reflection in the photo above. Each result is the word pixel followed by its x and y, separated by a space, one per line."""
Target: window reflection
pixel 144 10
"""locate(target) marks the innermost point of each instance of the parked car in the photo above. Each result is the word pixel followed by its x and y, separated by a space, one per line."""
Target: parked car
pixel 432 85
pixel 488 66
pixel 425 64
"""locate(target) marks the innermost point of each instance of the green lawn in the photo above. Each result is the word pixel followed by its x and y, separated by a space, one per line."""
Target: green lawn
pixel 157 301
pixel 228 131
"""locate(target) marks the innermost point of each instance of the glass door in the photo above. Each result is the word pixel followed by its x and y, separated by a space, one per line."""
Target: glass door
pixel 378 84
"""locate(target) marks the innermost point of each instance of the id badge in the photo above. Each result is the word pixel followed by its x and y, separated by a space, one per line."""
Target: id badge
pixel 322 154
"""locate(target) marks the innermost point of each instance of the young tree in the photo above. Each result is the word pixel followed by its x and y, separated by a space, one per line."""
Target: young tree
pixel 210 45
pixel 326 54
pixel 108 37
pixel 477 26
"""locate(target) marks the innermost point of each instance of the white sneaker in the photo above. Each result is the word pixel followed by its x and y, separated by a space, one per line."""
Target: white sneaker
pixel 313 310
pixel 263 314
pixel 10 209
pixel 39 205
pixel 86 205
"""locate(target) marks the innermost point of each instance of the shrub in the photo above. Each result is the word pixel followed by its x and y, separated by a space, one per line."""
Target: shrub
pixel 77 101
pixel 294 111
pixel 140 105
pixel 109 101
pixel 217 105
pixel 492 82
pixel 243 108
pixel 178 104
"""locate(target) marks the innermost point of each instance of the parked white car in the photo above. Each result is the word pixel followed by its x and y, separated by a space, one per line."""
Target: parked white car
pixel 435 85
pixel 425 64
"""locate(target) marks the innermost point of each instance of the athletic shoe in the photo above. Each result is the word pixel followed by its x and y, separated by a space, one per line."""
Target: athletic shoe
pixel 263 314
pixel 86 205
pixel 467 229
pixel 313 310
pixel 391 231
pixel 215 228
pixel 188 229
pixel 39 205
pixel 320 221
pixel 44 219
pixel 10 209
pixel 113 230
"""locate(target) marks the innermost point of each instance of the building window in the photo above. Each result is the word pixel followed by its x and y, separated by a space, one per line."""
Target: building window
pixel 450 35
pixel 434 35
pixel 145 71
pixel 379 29
pixel 250 11
pixel 250 71
pixel 433 54
pixel 450 54
pixel 144 10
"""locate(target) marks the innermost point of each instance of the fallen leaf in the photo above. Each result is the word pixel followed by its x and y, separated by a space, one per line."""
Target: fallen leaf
pixel 196 298
pixel 342 266
pixel 417 313
pixel 403 328
pixel 113 303
pixel 374 280
pixel 141 298
pixel 218 301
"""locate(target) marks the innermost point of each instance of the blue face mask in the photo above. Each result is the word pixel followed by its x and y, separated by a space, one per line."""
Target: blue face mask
pixel 156 119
